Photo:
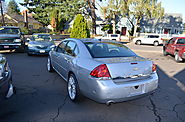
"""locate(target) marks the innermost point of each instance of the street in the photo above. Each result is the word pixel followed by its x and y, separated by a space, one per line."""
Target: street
pixel 42 96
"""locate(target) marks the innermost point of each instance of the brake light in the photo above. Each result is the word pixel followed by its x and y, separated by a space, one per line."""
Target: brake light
pixel 154 68
pixel 100 71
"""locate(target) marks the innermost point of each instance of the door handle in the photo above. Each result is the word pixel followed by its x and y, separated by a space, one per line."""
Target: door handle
pixel 68 60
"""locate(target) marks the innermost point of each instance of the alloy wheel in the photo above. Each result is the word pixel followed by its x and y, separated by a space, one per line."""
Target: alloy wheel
pixel 72 88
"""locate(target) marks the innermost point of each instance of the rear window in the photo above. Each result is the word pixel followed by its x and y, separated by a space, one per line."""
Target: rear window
pixel 108 50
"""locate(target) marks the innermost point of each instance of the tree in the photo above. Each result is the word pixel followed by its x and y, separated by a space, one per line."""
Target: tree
pixel 80 28
pixel 64 10
pixel 114 11
pixel 144 8
pixel 13 7
pixel 133 10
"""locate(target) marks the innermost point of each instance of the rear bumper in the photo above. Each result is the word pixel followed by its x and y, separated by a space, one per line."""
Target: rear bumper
pixel 107 90
pixel 5 84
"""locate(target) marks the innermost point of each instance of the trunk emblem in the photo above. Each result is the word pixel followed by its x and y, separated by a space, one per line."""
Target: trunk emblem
pixel 135 69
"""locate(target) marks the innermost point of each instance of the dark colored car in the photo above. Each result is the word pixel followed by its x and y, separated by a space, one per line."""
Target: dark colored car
pixel 11 38
pixel 176 47
pixel 40 44
pixel 6 87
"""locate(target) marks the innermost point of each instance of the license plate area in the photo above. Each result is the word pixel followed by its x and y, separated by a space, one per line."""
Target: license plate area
pixel 42 51
pixel 136 90
pixel 6 46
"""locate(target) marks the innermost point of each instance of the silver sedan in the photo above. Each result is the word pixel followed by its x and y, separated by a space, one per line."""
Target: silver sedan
pixel 103 71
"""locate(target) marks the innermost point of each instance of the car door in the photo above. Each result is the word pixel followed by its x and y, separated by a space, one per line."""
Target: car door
pixel 144 40
pixel 170 46
pixel 70 53
pixel 58 57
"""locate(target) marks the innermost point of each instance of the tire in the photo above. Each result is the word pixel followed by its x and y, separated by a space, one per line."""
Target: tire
pixel 49 65
pixel 156 43
pixel 73 88
pixel 138 42
pixel 177 57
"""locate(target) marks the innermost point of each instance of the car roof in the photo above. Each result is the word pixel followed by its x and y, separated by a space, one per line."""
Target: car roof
pixel 9 27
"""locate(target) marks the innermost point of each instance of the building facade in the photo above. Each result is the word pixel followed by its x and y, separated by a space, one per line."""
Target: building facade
pixel 171 23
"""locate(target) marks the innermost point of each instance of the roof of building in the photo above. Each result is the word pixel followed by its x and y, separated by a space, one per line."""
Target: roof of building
pixel 15 18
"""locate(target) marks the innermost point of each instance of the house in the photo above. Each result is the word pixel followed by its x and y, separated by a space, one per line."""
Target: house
pixel 171 23
pixel 20 20
pixel 122 27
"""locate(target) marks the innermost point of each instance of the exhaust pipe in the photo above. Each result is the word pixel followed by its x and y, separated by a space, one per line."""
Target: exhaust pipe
pixel 110 102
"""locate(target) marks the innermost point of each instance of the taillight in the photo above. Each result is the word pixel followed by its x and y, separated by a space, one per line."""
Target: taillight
pixel 153 67
pixel 100 71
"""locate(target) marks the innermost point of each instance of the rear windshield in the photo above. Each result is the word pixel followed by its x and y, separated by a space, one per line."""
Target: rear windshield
pixel 108 49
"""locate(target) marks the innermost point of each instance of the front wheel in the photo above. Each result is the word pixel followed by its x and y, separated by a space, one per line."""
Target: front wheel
pixel 73 88
pixel 177 57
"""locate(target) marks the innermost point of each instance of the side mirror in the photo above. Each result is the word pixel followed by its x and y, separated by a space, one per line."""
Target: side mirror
pixel 53 47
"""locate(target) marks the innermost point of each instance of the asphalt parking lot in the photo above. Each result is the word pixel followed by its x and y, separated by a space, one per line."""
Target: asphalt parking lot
pixel 42 96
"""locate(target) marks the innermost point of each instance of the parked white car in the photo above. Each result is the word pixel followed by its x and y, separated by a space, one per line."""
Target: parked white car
pixel 115 37
pixel 148 39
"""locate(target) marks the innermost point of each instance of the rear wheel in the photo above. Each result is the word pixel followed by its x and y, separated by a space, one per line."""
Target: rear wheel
pixel 156 43
pixel 138 42
pixel 73 88
pixel 177 57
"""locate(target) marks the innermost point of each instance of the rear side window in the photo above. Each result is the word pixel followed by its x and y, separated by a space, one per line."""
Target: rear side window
pixel 108 50
pixel 181 41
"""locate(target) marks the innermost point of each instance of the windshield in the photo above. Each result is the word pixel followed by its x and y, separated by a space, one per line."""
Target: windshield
pixel 9 31
pixel 108 49
pixel 41 37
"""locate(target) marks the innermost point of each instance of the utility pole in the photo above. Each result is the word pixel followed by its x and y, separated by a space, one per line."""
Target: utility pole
pixel 1 6
pixel 93 16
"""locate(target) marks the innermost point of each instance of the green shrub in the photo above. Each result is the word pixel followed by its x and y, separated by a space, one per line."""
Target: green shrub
pixel 80 28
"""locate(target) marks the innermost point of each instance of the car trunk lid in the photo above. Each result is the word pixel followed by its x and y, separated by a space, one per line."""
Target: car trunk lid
pixel 127 67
